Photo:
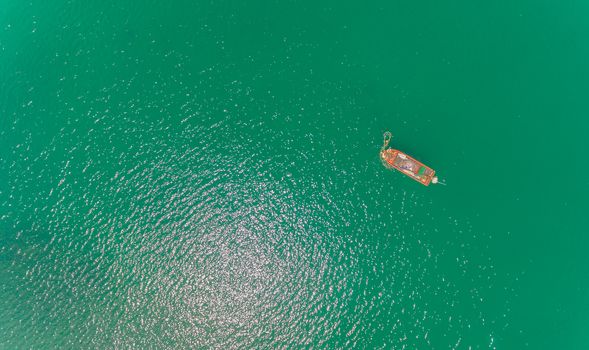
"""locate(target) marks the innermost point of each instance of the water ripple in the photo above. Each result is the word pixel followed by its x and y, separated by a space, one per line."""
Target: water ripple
pixel 174 210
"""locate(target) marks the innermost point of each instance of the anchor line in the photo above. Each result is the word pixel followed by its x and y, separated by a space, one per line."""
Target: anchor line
pixel 387 138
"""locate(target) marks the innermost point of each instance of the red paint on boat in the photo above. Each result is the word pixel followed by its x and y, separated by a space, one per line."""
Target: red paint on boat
pixel 408 165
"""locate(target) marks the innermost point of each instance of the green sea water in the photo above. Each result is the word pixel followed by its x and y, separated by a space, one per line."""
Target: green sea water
pixel 205 174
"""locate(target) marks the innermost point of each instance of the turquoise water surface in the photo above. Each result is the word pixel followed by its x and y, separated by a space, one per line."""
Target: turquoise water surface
pixel 205 174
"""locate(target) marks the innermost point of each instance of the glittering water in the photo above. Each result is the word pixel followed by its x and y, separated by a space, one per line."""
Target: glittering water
pixel 207 176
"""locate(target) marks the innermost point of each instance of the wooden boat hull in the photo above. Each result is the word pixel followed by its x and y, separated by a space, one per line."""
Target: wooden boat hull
pixel 407 165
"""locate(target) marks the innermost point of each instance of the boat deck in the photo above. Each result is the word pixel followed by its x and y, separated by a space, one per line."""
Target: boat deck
pixel 408 166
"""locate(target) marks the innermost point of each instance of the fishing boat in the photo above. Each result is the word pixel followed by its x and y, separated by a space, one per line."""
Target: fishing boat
pixel 395 159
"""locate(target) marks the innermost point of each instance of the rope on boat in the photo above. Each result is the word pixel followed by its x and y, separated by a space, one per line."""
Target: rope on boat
pixel 387 138
pixel 438 182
